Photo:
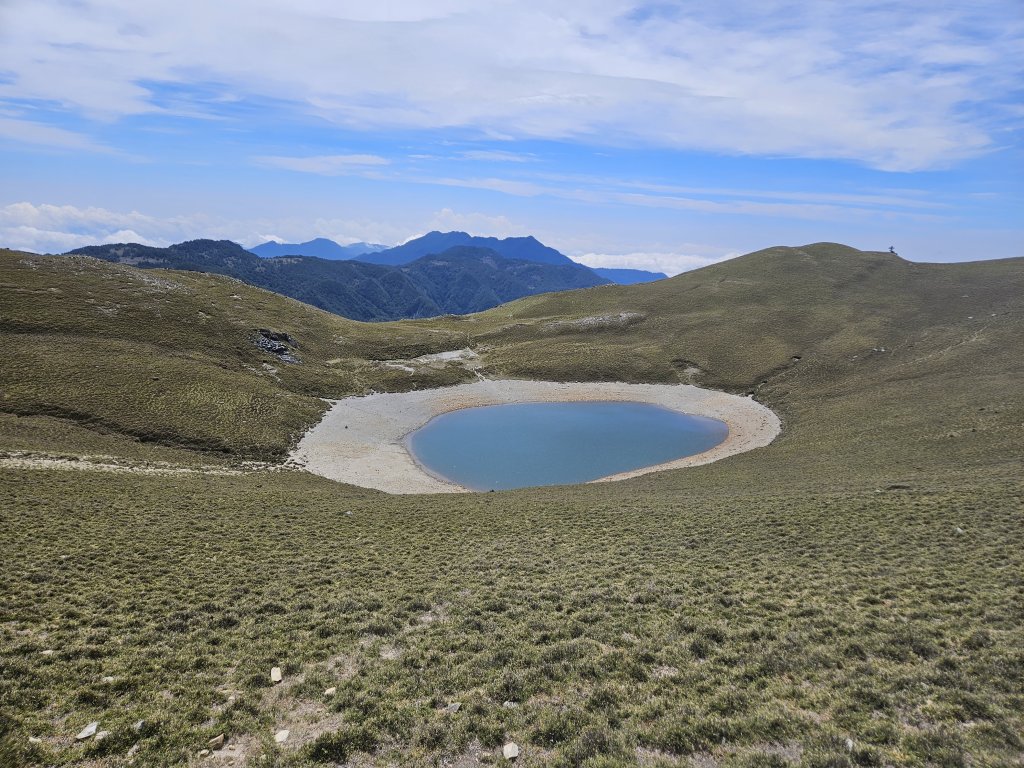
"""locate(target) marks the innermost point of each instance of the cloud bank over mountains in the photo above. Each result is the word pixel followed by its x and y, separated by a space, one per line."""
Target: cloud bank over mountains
pixel 57 229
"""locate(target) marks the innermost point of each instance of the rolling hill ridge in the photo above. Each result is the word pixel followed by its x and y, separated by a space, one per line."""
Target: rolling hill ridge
pixel 847 595
pixel 823 320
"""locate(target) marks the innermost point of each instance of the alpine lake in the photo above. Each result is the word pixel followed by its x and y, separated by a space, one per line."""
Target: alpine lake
pixel 521 445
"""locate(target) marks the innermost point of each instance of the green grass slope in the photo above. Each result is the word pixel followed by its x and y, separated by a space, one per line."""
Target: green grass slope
pixel 170 357
pixel 877 365
pixel 850 595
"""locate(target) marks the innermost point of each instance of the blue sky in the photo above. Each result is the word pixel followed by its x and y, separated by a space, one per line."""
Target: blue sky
pixel 654 135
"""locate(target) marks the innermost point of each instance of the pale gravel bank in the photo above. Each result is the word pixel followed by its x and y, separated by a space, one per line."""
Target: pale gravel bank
pixel 27 460
pixel 361 439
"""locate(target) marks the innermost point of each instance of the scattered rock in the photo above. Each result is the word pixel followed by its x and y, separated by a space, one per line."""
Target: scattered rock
pixel 275 675
pixel 101 735
pixel 279 344
pixel 849 745
pixel 454 707
pixel 204 752
pixel 960 530
pixel 282 736
pixel 331 691
pixel 47 652
pixel 139 725
pixel 88 732
pixel 34 740
pixel 108 679
pixel 216 742
pixel 510 751
pixel 509 704
pixel 595 323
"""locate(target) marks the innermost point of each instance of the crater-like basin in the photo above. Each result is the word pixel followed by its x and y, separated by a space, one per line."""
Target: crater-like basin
pixel 364 440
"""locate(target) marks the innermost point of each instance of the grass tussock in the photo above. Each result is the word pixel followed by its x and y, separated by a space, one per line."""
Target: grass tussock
pixel 588 625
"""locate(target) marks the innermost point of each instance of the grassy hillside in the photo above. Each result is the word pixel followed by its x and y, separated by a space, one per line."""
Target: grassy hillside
pixel 171 358
pixel 850 595
pixel 467 279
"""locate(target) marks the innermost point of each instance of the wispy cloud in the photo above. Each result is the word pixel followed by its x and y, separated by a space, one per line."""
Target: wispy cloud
pixel 784 204
pixel 499 156
pixel 40 134
pixel 323 165
pixel 896 86
pixel 515 187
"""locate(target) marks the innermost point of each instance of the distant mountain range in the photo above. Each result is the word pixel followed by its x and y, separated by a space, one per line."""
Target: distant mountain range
pixel 525 248
pixel 522 248
pixel 459 280
pixel 320 247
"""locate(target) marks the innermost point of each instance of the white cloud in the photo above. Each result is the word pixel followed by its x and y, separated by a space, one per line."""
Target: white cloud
pixel 71 218
pixel 46 228
pixel 58 228
pixel 898 86
pixel 323 165
pixel 346 230
pixel 49 241
pixel 481 224
pixel 669 263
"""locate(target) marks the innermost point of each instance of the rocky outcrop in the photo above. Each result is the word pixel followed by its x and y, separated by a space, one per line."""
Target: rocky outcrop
pixel 281 345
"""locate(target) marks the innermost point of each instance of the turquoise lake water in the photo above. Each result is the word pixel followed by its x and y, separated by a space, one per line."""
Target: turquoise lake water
pixel 527 444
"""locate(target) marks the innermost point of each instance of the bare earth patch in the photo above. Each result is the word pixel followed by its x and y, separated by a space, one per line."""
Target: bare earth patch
pixel 27 460
pixel 361 440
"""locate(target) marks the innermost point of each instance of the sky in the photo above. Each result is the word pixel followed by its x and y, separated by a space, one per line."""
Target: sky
pixel 654 135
